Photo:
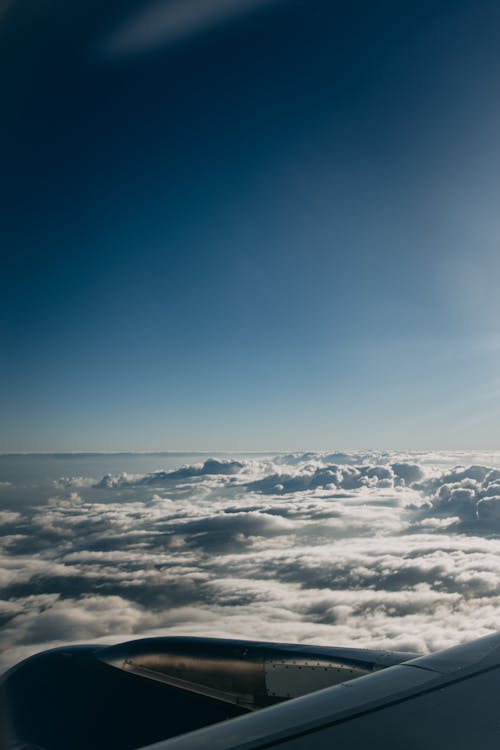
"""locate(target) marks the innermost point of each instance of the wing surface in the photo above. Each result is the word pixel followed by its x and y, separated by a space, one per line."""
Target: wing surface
pixel 450 699
pixel 136 693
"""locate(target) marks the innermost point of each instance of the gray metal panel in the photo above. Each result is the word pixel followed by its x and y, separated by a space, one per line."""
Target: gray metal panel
pixel 483 652
pixel 290 679
pixel 461 716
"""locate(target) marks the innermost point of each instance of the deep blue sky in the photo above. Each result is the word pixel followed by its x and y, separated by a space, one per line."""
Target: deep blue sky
pixel 276 228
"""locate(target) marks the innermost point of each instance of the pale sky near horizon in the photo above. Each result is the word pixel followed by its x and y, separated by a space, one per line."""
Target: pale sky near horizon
pixel 276 229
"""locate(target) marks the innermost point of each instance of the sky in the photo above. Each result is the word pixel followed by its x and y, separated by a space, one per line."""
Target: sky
pixel 249 226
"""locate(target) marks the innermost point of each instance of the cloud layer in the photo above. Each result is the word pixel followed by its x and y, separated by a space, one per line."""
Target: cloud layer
pixel 378 550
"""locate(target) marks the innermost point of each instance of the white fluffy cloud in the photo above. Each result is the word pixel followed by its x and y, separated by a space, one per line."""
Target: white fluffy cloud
pixel 384 550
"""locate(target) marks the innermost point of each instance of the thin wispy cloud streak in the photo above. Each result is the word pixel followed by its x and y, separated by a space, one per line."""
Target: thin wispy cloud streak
pixel 156 25
pixel 389 550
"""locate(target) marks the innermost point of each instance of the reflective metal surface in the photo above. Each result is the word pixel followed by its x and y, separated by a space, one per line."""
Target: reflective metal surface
pixel 250 674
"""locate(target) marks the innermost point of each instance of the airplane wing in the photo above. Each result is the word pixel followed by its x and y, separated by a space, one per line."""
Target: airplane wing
pixel 193 693
pixel 446 700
